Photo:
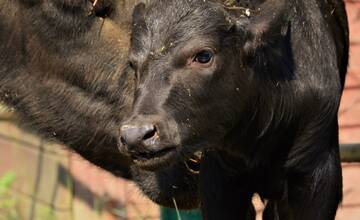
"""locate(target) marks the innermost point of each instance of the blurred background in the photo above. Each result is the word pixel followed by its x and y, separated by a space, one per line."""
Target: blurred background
pixel 43 181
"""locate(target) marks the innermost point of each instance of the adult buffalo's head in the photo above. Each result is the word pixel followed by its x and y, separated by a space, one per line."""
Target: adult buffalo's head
pixel 195 76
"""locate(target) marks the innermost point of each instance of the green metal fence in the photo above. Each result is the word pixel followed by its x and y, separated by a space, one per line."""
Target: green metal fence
pixel 350 152
pixel 172 214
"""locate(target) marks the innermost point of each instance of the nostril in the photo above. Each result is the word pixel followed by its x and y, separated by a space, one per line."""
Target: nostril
pixel 150 132
pixel 134 135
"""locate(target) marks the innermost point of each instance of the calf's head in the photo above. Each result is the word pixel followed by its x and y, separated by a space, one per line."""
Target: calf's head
pixel 194 81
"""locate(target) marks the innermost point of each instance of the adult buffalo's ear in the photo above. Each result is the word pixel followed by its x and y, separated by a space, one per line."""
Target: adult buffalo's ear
pixel 262 24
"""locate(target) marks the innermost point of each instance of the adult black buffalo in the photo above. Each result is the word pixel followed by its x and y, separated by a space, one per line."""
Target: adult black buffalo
pixel 63 68
pixel 256 89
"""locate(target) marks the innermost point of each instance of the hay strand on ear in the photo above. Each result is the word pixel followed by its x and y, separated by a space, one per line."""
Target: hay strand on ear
pixel 233 5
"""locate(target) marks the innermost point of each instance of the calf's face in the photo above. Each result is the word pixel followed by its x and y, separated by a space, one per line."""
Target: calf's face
pixel 192 84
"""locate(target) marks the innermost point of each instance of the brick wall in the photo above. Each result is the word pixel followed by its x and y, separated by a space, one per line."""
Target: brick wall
pixel 349 114
pixel 42 187
pixel 52 183
pixel 349 117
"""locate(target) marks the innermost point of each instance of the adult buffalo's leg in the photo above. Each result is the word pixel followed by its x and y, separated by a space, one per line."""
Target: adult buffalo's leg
pixel 315 195
pixel 277 210
pixel 271 211
pixel 224 194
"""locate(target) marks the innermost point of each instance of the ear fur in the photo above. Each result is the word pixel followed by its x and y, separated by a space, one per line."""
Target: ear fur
pixel 261 24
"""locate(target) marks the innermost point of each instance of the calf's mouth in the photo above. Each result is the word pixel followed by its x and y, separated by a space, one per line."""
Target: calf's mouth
pixel 153 159
pixel 154 144
pixel 156 160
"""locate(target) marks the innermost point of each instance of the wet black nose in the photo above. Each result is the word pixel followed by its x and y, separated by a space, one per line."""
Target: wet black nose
pixel 133 135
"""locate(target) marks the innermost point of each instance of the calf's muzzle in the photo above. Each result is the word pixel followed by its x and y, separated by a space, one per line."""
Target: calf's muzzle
pixel 135 136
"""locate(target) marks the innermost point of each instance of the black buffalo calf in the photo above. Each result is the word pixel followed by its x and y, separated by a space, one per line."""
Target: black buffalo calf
pixel 255 89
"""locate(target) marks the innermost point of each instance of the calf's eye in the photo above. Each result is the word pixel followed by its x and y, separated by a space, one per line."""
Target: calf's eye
pixel 203 57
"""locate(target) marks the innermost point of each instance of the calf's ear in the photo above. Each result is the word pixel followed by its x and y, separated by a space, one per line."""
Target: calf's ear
pixel 262 24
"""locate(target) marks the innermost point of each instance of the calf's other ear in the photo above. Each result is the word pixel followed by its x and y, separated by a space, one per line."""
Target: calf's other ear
pixel 263 24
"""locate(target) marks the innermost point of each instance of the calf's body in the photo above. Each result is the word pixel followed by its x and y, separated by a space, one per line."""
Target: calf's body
pixel 256 89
